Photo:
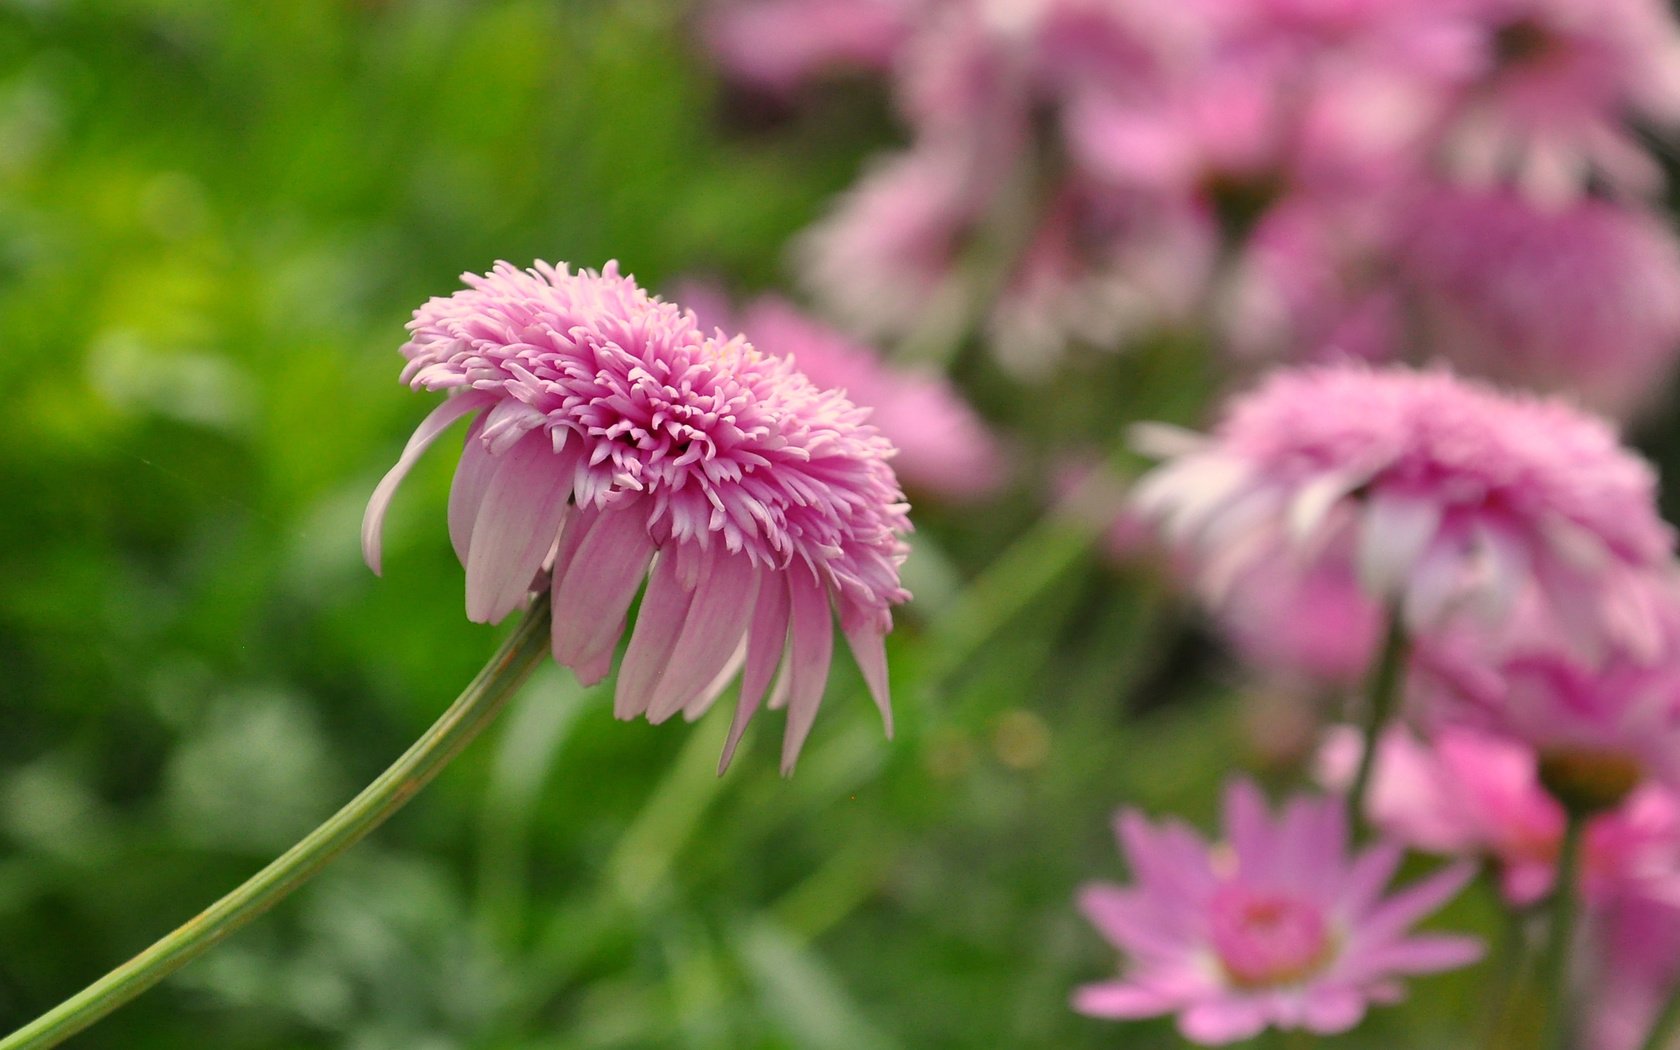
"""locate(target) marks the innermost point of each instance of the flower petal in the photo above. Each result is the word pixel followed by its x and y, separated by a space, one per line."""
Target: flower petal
pixel 435 423
pixel 518 522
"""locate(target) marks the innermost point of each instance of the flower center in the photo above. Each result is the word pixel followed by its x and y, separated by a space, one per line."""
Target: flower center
pixel 1265 939
pixel 1521 41
pixel 1589 780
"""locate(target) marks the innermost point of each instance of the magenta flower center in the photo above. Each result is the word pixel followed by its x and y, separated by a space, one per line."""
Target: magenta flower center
pixel 1265 939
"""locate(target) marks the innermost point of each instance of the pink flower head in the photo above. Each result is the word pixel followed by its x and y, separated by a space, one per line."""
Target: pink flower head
pixel 1450 499
pixel 780 44
pixel 1583 298
pixel 1615 721
pixel 1558 86
pixel 944 448
pixel 1464 792
pixel 612 441
pixel 1276 927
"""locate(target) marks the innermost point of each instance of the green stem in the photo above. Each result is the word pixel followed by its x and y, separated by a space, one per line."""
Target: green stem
pixel 474 709
pixel 1666 1027
pixel 1561 934
pixel 1384 689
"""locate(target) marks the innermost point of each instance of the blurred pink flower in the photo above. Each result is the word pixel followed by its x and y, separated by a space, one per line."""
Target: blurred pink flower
pixel 944 448
pixel 1312 284
pixel 1617 720
pixel 1464 792
pixel 1551 102
pixel 779 45
pixel 1276 927
pixel 893 241
pixel 1298 621
pixel 1449 498
pixel 612 441
pixel 1583 298
pixel 1637 956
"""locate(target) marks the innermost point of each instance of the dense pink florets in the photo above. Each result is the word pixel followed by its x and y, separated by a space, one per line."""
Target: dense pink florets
pixel 613 438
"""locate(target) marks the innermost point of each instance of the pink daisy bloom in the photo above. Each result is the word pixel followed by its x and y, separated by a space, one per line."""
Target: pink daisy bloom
pixel 944 448
pixel 1583 298
pixel 1466 792
pixel 610 442
pixel 1276 927
pixel 1449 499
pixel 1556 89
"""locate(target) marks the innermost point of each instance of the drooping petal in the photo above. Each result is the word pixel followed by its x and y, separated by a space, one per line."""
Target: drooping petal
pixel 717 618
pixel 767 638
pixel 810 649
pixel 466 493
pixel 518 522
pixel 658 625
pixel 599 580
pixel 435 423
pixel 869 649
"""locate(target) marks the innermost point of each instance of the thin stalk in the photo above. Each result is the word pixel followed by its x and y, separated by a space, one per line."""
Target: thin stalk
pixel 1666 1028
pixel 475 708
pixel 1560 936
pixel 1387 678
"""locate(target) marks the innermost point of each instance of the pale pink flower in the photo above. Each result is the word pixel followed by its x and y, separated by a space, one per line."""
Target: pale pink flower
pixel 1278 926
pixel 1450 499
pixel 612 441
pixel 1557 87
pixel 778 45
pixel 1462 791
pixel 945 448
pixel 1582 298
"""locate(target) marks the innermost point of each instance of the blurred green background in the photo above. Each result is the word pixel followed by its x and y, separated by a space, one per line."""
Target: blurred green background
pixel 214 221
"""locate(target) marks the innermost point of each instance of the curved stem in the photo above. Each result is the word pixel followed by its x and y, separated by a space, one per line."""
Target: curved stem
pixel 474 709
pixel 1386 680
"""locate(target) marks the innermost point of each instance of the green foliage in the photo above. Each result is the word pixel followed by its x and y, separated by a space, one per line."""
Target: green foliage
pixel 214 219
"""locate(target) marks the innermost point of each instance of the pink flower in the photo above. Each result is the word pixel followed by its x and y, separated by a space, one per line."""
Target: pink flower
pixel 1558 85
pixel 1311 284
pixel 1582 298
pixel 1466 792
pixel 1637 964
pixel 612 441
pixel 1277 927
pixel 1615 722
pixel 1313 622
pixel 780 44
pixel 944 448
pixel 1449 498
